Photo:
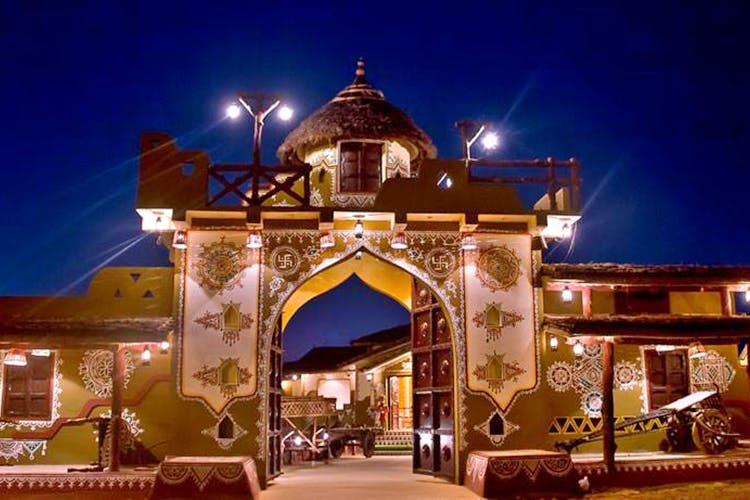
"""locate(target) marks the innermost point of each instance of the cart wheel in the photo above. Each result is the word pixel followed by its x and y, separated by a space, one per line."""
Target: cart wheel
pixel 368 444
pixel 705 429
pixel 678 432
pixel 336 447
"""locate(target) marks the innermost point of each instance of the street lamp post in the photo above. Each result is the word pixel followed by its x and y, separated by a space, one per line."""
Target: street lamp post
pixel 258 105
pixel 470 131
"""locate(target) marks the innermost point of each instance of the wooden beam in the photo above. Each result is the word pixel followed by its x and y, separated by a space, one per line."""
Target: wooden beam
pixel 608 410
pixel 118 386
pixel 586 302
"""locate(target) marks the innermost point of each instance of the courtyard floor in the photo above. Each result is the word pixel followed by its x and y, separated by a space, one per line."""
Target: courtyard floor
pixel 358 478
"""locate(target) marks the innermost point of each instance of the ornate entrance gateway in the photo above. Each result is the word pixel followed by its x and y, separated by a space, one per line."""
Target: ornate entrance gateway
pixel 297 256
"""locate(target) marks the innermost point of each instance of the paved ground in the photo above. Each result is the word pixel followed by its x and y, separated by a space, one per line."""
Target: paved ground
pixel 357 478
pixel 390 477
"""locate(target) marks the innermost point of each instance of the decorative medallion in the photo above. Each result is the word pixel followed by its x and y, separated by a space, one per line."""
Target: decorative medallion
pixel 440 262
pixel 498 268
pixel 591 403
pixel 229 322
pixel 285 260
pixel 560 376
pixel 95 370
pixel 225 432
pixel 497 372
pixel 220 264
pixel 592 351
pixel 128 433
pixel 711 371
pixel 626 375
pixel 228 376
pixel 496 428
pixel 494 318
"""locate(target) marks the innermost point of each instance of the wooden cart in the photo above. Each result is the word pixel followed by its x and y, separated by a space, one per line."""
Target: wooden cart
pixel 696 420
pixel 312 434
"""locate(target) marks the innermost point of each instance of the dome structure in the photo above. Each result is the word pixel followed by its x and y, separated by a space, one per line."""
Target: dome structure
pixel 359 111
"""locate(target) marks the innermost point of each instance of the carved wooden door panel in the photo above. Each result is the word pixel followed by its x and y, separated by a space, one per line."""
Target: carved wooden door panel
pixel 667 375
pixel 432 376
pixel 273 464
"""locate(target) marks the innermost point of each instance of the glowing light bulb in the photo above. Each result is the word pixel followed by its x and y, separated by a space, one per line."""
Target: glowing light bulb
pixel 164 346
pixel 490 140
pixel 369 377
pixel 295 377
pixel 233 111
pixel 578 349
pixel 567 295
pixel 553 343
pixel 285 113
pixel 398 241
pixel 747 295
pixel 359 230
pixel 146 356
pixel 297 440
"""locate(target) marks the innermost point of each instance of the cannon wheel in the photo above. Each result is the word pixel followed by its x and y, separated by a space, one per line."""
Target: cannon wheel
pixel 678 432
pixel 707 430
pixel 336 447
pixel 368 444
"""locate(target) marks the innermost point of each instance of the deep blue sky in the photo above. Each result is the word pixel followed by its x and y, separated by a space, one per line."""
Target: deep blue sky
pixel 652 97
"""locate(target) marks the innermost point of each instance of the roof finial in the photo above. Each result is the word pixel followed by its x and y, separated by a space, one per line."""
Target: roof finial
pixel 360 68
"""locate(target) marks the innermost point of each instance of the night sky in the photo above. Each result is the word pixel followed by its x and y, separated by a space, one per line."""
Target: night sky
pixel 651 97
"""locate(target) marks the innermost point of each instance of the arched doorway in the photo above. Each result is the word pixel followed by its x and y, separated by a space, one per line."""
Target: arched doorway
pixel 433 369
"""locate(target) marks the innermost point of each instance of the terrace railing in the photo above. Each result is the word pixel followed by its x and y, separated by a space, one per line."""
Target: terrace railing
pixel 254 184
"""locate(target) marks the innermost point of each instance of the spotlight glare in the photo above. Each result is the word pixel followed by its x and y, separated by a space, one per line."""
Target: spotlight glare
pixel 285 113
pixel 490 140
pixel 233 111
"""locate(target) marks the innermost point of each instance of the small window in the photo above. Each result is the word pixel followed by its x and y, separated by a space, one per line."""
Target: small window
pixel 360 166
pixel 667 376
pixel 27 390
pixel 226 428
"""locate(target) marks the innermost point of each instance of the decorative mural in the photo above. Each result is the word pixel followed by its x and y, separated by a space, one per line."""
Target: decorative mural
pixel 219 283
pixel 129 433
pixel 225 432
pixel 11 450
pixel 712 370
pixel 432 256
pixel 230 321
pixel 586 424
pixel 95 370
pixel 584 376
pixel 494 318
pixel 496 428
pixel 501 344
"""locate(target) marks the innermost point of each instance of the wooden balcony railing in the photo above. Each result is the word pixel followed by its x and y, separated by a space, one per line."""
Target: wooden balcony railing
pixel 254 184
pixel 557 174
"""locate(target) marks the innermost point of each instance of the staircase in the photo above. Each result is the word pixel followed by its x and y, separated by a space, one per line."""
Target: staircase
pixel 394 442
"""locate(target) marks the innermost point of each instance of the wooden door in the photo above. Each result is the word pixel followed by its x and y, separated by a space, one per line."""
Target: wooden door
pixel 432 383
pixel 667 375
pixel 273 464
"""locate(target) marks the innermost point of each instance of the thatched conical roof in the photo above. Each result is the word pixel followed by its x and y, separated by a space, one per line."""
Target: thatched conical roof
pixel 359 111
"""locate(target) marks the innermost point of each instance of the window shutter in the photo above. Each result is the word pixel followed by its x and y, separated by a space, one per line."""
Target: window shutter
pixel 28 389
pixel 667 377
pixel 360 167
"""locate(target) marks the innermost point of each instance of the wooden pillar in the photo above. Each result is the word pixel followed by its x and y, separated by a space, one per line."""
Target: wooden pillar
pixel 586 302
pixel 118 385
pixel 608 410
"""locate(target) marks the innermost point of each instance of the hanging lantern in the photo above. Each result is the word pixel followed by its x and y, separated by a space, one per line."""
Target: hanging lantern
pixel 15 357
pixel 42 353
pixel 553 342
pixel 567 295
pixel 468 242
pixel 398 241
pixel 578 349
pixel 326 240
pixel 358 255
pixel 369 377
pixel 179 240
pixel 696 350
pixel 146 356
pixel 359 230
pixel 254 240
pixel 164 347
